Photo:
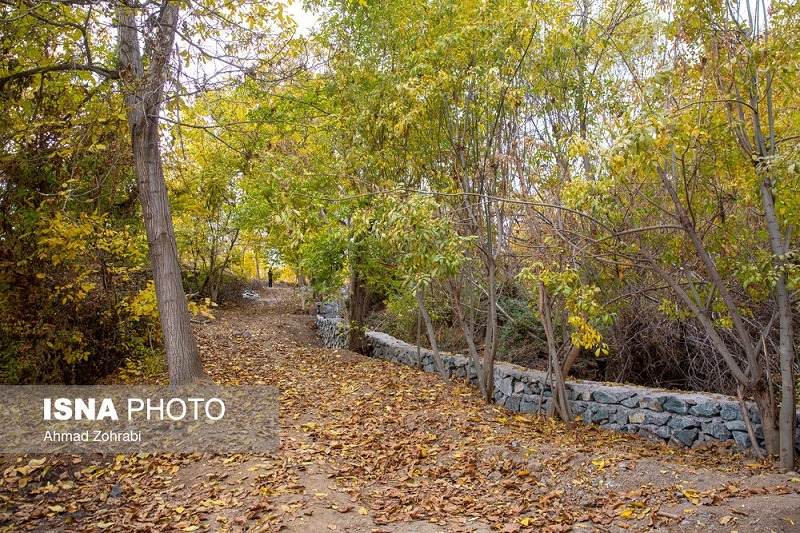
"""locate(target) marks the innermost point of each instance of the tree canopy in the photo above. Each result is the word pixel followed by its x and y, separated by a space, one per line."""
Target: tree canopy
pixel 574 170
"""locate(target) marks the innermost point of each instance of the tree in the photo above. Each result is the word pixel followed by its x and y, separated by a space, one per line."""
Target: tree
pixel 144 94
pixel 77 42
pixel 685 199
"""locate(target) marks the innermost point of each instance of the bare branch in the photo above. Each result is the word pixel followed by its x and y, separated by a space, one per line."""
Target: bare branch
pixel 62 67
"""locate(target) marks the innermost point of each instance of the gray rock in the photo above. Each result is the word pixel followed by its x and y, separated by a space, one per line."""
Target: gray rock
pixel 649 432
pixel 742 439
pixel 506 386
pixel 705 409
pixel 631 402
pixel 578 406
pixel 736 425
pixel 664 432
pixel 683 422
pixel 685 436
pixel 649 402
pixel 513 402
pixel 675 405
pixel 610 397
pixel 619 418
pixel 572 395
pixel 717 430
pixel 526 406
pixel 600 414
pixel 730 411
pixel 656 419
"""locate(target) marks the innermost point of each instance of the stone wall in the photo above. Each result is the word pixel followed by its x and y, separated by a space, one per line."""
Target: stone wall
pixel 679 418
pixel 333 331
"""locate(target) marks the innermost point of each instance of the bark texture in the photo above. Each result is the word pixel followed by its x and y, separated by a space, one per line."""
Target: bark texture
pixel 143 98
pixel 357 311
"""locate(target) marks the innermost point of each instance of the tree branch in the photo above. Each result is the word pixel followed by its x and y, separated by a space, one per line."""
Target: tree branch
pixel 63 67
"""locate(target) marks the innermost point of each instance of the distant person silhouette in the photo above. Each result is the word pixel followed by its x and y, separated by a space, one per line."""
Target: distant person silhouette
pixel 269 278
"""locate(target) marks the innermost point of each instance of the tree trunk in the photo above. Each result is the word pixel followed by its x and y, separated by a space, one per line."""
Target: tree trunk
pixel 467 329
pixel 569 360
pixel 357 312
pixel 437 360
pixel 490 346
pixel 767 413
pixel 788 413
pixel 559 400
pixel 143 99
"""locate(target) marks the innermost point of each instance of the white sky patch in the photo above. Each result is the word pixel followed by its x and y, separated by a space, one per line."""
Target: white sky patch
pixel 305 19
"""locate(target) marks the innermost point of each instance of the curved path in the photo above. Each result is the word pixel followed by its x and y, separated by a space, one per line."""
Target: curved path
pixel 372 446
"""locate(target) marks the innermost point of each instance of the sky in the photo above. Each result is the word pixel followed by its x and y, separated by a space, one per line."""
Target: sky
pixel 305 20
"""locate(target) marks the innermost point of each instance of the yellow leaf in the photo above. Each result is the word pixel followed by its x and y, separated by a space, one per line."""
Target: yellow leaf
pixel 526 521
pixel 180 509
pixel 627 513
pixel 691 495
pixel 362 511
pixel 56 508
pixel 524 473
pixel 104 525
pixel 191 528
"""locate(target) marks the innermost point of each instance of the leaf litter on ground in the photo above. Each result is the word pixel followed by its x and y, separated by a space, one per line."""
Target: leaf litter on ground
pixel 368 445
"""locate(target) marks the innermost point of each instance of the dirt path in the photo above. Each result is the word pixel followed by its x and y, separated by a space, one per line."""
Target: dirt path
pixel 367 445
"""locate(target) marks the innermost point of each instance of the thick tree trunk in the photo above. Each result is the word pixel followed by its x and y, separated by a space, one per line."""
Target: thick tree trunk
pixel 143 98
pixel 767 413
pixel 357 312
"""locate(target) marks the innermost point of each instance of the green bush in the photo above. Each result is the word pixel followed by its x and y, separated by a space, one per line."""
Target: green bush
pixel 522 336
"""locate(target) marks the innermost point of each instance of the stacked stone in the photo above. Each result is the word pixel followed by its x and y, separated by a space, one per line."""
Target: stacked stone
pixel 678 418
pixel 333 332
